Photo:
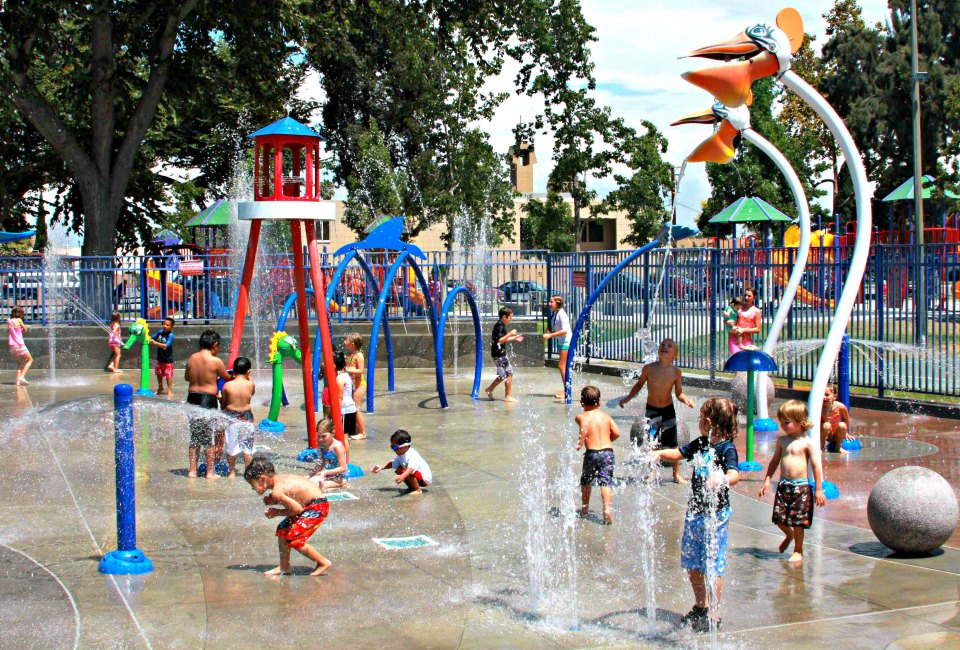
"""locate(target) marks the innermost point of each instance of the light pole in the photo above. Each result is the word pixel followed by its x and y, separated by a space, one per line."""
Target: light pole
pixel 920 293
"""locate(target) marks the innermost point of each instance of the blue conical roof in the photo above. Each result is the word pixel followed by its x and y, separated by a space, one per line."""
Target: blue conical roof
pixel 286 126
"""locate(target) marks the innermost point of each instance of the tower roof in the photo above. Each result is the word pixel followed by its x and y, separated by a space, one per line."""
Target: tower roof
pixel 287 126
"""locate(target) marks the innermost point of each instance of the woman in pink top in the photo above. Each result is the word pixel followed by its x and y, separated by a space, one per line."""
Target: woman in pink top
pixel 748 323
pixel 17 347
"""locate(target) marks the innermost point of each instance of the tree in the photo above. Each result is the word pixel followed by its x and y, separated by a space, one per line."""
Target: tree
pixel 548 225
pixel 421 87
pixel 91 78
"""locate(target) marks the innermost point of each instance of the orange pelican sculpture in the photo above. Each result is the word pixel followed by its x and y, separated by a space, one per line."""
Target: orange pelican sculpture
pixel 720 147
pixel 765 51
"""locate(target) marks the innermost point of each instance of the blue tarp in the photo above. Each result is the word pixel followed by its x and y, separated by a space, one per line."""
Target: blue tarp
pixel 7 237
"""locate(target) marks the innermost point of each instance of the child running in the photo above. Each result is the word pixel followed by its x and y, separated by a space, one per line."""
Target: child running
pixel 331 470
pixel 115 343
pixel 235 399
pixel 164 342
pixel 836 423
pixel 409 465
pixel 303 508
pixel 202 372
pixel 714 459
pixel 499 338
pixel 18 348
pixel 355 368
pixel 793 505
pixel 597 433
pixel 660 378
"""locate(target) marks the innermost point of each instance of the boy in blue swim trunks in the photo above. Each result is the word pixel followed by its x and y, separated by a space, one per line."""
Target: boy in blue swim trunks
pixel 714 459
pixel 303 508
pixel 597 433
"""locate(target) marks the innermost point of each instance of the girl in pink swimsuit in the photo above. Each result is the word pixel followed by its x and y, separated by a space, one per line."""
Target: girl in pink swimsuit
pixel 114 342
pixel 18 348
pixel 748 323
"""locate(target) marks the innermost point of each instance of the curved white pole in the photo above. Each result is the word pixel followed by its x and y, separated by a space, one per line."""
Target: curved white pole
pixel 796 274
pixel 861 250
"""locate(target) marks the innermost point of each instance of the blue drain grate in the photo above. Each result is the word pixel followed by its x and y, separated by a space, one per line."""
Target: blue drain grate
pixel 405 542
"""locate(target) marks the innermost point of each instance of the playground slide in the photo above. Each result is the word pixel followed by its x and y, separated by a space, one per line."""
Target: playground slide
pixel 791 239
pixel 174 291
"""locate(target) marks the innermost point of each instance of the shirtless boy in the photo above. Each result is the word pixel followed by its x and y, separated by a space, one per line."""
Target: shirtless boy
pixel 235 399
pixel 303 508
pixel 661 377
pixel 203 371
pixel 597 433
pixel 793 506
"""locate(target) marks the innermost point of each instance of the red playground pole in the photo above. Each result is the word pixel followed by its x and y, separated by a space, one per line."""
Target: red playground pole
pixel 243 298
pixel 303 324
pixel 320 294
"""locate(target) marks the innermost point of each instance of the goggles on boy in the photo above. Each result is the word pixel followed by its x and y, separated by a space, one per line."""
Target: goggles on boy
pixel 399 447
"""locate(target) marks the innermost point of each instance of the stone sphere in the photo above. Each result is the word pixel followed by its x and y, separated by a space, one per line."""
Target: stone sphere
pixel 912 510
pixel 738 389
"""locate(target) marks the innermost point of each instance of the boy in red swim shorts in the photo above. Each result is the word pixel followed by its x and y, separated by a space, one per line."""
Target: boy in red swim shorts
pixel 303 507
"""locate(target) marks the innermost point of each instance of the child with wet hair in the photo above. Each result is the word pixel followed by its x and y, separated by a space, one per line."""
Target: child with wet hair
pixel 834 423
pixel 597 433
pixel 793 505
pixel 714 459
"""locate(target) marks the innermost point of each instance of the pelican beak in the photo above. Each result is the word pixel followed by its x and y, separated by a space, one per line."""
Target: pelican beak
pixel 718 148
pixel 700 117
pixel 740 46
pixel 730 83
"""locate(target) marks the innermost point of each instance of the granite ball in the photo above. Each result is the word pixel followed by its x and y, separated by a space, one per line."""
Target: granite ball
pixel 738 389
pixel 912 510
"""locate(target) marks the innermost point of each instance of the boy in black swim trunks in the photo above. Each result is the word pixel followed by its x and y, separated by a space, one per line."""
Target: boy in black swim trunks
pixel 499 338
pixel 597 433
pixel 203 371
pixel 661 377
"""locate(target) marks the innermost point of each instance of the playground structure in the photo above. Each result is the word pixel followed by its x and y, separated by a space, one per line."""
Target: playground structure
pixel 287 187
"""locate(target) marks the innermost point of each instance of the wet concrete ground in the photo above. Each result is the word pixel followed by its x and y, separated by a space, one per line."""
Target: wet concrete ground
pixel 210 542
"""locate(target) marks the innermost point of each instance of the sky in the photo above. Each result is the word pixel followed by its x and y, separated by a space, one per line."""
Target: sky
pixel 638 73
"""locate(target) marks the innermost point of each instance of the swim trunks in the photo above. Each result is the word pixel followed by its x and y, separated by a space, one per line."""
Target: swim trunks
pixel 243 416
pixel 164 370
pixel 793 505
pixel 349 423
pixel 663 419
pixel 597 467
pixel 201 428
pixel 696 547
pixel 504 367
pixel 299 528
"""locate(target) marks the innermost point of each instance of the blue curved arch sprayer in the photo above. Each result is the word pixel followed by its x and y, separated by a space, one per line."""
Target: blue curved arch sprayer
pixel 667 232
pixel 438 341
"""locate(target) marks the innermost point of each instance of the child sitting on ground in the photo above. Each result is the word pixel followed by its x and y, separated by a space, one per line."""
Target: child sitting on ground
pixel 714 459
pixel 303 508
pixel 499 338
pixel 835 427
pixel 597 433
pixel 409 465
pixel 793 506
pixel 235 400
pixel 331 470
pixel 661 377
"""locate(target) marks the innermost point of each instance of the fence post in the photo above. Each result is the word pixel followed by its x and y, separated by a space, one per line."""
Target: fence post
pixel 144 288
pixel 791 252
pixel 588 289
pixel 843 371
pixel 549 294
pixel 127 559
pixel 879 286
pixel 715 281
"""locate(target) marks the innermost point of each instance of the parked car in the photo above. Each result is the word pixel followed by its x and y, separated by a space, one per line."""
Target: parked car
pixel 532 295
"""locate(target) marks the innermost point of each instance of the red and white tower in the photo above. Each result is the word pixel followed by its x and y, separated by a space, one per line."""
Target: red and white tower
pixel 286 182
